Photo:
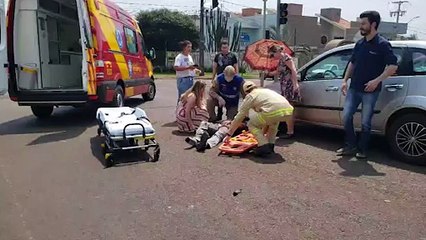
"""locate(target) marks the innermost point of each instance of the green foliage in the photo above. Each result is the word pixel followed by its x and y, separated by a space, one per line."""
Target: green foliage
pixel 165 28
pixel 217 30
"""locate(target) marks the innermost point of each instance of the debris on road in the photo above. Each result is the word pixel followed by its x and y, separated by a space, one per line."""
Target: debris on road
pixel 235 193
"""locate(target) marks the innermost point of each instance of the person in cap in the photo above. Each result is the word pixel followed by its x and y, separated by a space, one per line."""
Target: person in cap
pixel 270 108
pixel 225 92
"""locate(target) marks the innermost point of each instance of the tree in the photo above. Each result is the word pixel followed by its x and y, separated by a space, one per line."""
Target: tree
pixel 217 30
pixel 164 28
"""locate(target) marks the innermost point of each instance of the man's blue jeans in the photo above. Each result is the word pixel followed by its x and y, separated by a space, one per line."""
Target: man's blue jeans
pixel 353 100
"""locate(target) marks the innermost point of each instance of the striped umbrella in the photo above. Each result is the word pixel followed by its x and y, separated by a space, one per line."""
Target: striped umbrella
pixel 257 57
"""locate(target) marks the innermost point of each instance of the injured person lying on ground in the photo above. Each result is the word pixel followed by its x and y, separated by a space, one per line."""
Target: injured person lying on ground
pixel 209 135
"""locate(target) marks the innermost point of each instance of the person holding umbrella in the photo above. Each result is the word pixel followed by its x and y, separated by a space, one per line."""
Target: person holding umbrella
pixel 270 108
pixel 287 74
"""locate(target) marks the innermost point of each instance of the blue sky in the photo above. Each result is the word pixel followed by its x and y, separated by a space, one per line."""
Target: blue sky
pixel 350 9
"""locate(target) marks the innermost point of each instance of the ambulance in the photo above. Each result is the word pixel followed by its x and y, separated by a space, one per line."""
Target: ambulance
pixel 71 52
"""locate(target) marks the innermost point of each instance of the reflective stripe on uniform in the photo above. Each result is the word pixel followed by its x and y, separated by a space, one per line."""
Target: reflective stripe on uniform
pixel 279 112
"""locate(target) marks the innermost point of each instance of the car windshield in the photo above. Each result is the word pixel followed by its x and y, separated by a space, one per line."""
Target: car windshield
pixel 330 67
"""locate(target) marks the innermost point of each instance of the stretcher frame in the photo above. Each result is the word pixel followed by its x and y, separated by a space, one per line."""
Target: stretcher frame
pixel 114 144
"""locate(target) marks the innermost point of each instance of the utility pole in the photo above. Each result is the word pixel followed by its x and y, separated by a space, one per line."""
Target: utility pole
pixel 201 45
pixel 264 18
pixel 278 26
pixel 399 12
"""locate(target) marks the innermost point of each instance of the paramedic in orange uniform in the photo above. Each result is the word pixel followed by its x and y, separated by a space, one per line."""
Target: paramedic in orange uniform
pixel 270 108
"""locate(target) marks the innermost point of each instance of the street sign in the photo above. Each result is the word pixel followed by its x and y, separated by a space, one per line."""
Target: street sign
pixel 245 38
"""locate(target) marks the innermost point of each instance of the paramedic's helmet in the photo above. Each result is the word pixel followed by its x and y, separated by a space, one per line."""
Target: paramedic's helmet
pixel 248 86
pixel 229 73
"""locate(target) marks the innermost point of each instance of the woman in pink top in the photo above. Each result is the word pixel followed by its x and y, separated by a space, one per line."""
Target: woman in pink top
pixel 191 110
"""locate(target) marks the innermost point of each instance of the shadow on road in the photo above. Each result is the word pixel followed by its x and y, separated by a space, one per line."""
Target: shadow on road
pixel 356 168
pixel 332 139
pixel 65 123
pixel 182 134
pixel 121 159
pixel 170 124
pixel 271 159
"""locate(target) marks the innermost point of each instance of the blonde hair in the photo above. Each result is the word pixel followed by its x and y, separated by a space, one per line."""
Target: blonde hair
pixel 198 90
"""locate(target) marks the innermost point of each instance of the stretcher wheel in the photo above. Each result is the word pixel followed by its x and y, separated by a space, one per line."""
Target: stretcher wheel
pixel 156 155
pixel 103 147
pixel 109 161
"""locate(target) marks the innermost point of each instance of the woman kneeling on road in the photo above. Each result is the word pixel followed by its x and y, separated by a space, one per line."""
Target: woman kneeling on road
pixel 191 110
pixel 270 109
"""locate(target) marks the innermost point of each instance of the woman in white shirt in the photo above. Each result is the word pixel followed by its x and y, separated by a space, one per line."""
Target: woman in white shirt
pixel 185 68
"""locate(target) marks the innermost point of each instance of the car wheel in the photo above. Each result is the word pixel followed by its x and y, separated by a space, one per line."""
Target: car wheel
pixel 42 112
pixel 407 138
pixel 150 95
pixel 118 100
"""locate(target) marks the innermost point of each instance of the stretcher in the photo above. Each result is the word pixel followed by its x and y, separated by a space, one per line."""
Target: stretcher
pixel 239 144
pixel 125 129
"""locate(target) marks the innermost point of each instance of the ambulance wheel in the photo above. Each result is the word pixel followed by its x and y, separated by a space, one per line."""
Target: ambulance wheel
pixel 118 100
pixel 150 95
pixel 42 112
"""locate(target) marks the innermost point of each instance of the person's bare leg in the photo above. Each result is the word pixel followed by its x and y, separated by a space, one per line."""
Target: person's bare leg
pixel 290 125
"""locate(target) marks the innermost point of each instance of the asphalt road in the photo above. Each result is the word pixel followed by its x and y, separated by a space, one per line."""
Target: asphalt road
pixel 53 185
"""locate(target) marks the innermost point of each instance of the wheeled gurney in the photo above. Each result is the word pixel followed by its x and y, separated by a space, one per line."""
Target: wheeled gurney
pixel 125 129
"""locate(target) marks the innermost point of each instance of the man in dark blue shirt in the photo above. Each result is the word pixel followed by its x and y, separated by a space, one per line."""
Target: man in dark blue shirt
pixel 372 62
pixel 225 92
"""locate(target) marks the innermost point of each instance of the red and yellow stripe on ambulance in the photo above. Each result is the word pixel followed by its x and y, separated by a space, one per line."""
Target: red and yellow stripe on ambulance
pixel 114 62
pixel 109 30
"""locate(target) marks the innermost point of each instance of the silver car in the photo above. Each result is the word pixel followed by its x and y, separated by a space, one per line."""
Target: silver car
pixel 400 112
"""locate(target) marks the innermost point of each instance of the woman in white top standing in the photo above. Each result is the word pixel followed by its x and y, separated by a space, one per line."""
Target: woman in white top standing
pixel 185 68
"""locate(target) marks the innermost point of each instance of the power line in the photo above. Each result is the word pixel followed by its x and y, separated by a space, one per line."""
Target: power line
pixel 236 4
pixel 157 5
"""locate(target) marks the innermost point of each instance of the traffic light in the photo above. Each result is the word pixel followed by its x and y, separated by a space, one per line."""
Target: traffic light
pixel 215 3
pixel 283 13
pixel 268 34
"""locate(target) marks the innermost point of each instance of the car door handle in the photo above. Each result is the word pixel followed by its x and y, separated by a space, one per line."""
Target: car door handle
pixel 394 87
pixel 332 89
